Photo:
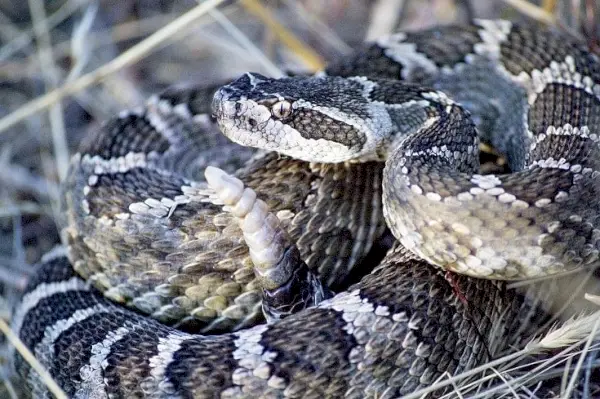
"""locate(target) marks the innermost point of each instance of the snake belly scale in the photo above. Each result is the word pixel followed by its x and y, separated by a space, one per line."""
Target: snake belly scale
pixel 144 227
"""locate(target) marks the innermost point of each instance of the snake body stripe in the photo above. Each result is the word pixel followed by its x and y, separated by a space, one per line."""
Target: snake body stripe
pixel 145 230
pixel 147 357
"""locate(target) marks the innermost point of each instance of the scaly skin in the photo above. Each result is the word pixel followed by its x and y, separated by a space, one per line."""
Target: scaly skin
pixel 137 217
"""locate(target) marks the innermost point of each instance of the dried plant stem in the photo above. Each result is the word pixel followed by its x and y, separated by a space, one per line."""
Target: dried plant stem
pixel 549 6
pixel 22 40
pixel 12 277
pixel 576 294
pixel 32 361
pixel 584 351
pixel 474 371
pixel 9 387
pixel 384 16
pixel 570 333
pixel 321 29
pixel 242 39
pixel 51 77
pixel 127 58
pixel 532 11
pixel 128 30
pixel 312 59
pixel 506 382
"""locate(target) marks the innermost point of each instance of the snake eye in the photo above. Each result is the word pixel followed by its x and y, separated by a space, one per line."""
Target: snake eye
pixel 281 109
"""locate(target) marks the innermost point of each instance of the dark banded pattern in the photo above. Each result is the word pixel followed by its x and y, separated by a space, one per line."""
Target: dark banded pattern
pixel 145 229
pixel 375 339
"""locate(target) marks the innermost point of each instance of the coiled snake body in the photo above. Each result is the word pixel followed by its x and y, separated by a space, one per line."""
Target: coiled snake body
pixel 142 226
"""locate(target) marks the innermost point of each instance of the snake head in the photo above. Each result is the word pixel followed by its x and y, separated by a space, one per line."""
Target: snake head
pixel 315 119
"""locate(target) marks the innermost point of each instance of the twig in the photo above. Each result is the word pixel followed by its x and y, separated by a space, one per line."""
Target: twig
pixel 521 283
pixel 575 294
pixel 80 49
pixel 131 56
pixel 570 333
pixel 11 262
pixel 50 73
pixel 573 13
pixel 549 6
pixel 9 387
pixel 24 39
pixel 383 19
pixel 474 371
pixel 23 207
pixel 128 30
pixel 18 249
pixel 32 361
pixel 305 53
pixel 242 39
pixel 588 372
pixel 565 374
pixel 8 30
pixel 532 375
pixel 505 381
pixel 590 26
pixel 323 31
pixel 468 7
pixel 13 278
pixel 532 11
pixel 527 377
pixel 18 177
pixel 584 351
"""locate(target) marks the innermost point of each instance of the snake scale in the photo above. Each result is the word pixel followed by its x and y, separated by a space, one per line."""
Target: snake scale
pixel 388 136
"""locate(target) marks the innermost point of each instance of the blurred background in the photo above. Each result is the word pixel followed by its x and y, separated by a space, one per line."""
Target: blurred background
pixel 68 65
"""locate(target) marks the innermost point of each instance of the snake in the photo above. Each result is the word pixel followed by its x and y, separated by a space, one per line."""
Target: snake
pixel 326 235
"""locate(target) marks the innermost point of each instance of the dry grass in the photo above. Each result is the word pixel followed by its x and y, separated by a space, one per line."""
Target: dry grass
pixel 64 70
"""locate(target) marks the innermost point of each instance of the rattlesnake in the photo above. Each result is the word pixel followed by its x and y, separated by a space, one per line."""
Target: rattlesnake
pixel 142 226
